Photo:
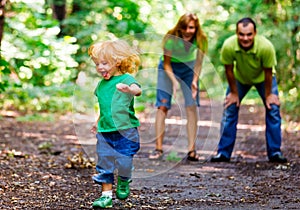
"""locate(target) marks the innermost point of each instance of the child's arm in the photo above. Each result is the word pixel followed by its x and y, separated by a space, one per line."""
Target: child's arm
pixel 95 126
pixel 133 89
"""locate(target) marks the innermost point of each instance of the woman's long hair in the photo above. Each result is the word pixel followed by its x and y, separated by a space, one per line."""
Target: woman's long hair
pixel 182 23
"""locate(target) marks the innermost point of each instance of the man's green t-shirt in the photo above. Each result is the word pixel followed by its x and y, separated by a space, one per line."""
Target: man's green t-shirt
pixel 248 65
pixel 116 108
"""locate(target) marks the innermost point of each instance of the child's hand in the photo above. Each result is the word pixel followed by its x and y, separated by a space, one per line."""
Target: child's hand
pixel 123 88
pixel 94 129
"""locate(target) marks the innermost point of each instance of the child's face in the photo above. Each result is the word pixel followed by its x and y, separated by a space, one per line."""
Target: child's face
pixel 106 69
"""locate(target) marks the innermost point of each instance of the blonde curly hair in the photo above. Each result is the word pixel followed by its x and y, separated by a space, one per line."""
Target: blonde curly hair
pixel 116 51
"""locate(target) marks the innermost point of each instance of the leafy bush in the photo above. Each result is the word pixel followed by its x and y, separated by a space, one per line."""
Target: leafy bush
pixel 38 99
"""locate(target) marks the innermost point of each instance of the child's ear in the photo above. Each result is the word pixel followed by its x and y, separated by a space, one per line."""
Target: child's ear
pixel 118 63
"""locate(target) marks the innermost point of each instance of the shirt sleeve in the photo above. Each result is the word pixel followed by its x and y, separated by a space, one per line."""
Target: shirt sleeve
pixel 130 80
pixel 227 53
pixel 168 45
pixel 95 91
pixel 269 56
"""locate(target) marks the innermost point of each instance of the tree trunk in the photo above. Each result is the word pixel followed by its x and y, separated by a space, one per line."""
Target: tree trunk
pixel 59 13
pixel 76 6
pixel 2 19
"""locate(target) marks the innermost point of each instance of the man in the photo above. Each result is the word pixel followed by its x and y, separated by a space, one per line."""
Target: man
pixel 249 60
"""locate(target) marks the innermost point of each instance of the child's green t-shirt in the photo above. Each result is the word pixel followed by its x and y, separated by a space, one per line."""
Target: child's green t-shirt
pixel 116 108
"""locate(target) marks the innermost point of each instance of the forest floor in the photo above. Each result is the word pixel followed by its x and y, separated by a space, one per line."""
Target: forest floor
pixel 49 165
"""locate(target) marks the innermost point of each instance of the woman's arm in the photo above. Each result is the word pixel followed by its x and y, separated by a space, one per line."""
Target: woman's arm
pixel 169 71
pixel 197 72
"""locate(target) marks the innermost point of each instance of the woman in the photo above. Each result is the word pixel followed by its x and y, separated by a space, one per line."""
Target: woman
pixel 184 47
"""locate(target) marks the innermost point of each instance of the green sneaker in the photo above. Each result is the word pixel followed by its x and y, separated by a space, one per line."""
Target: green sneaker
pixel 123 189
pixel 103 202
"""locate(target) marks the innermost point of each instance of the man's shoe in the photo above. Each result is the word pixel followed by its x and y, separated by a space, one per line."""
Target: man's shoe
pixel 123 189
pixel 103 202
pixel 277 159
pixel 219 158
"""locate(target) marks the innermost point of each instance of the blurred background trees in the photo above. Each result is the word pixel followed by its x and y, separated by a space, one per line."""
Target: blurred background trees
pixel 44 44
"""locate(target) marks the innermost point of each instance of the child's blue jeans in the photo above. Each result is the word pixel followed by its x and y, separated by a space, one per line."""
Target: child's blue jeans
pixel 115 150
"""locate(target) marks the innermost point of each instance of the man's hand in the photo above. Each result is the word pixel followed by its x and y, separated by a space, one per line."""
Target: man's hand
pixel 232 98
pixel 272 99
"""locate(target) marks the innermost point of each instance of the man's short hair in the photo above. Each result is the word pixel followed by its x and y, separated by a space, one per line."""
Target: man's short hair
pixel 245 21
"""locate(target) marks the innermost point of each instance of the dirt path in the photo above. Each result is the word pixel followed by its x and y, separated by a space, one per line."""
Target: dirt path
pixel 35 157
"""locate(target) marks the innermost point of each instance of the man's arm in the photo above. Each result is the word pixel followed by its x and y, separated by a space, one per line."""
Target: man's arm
pixel 233 96
pixel 269 97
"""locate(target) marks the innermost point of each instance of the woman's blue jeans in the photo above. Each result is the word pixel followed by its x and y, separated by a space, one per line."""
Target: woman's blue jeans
pixel 115 150
pixel 230 120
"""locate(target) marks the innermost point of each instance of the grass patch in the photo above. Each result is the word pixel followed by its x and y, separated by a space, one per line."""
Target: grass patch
pixel 173 157
pixel 36 117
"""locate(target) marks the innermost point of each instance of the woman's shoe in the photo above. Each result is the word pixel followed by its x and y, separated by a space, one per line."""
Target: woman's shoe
pixel 157 154
pixel 192 156
pixel 103 202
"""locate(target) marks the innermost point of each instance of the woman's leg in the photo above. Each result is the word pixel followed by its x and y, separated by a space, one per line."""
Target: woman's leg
pixel 191 126
pixel 185 76
pixel 163 102
pixel 160 126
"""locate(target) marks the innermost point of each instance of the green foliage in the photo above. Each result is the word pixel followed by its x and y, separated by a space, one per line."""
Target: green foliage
pixel 33 51
pixel 38 99
pixel 4 74
pixel 100 20
pixel 291 103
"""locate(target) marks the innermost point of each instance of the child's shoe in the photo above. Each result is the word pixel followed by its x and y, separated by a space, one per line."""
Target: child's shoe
pixel 103 202
pixel 123 189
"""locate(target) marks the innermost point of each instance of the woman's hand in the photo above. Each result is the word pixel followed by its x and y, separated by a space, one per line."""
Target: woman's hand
pixel 175 87
pixel 194 89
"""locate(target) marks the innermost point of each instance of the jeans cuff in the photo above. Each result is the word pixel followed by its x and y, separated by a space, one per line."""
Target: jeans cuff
pixel 102 178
